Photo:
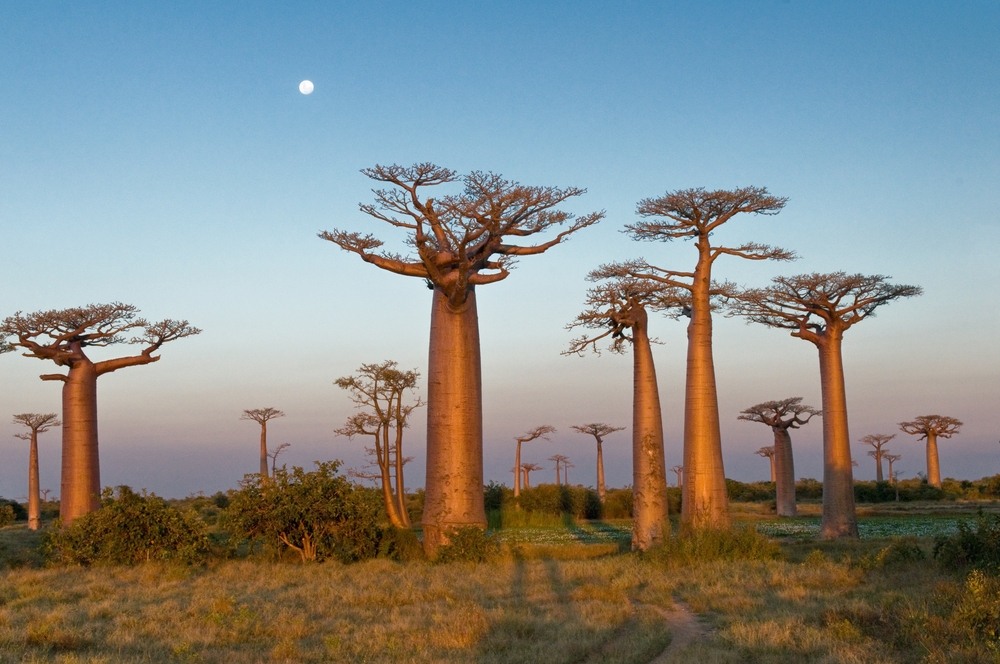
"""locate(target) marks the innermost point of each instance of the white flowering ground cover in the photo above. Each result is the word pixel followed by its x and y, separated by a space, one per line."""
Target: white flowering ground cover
pixel 586 532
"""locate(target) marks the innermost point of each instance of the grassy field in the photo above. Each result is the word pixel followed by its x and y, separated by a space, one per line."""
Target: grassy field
pixel 557 594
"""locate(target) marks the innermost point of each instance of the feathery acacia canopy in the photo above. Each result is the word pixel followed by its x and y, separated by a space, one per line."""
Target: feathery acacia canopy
pixel 460 240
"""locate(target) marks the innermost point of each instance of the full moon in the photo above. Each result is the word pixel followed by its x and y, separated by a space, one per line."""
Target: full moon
pixel 306 87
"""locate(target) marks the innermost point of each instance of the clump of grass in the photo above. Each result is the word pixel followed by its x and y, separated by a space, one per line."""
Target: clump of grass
pixel 740 543
pixel 979 609
pixel 977 547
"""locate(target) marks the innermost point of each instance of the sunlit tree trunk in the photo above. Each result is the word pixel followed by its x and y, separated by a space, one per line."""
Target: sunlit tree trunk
pixel 783 472
pixel 34 489
pixel 705 501
pixel 649 468
pixel 404 515
pixel 263 449
pixel 933 464
pixel 454 486
pixel 601 490
pixel 80 486
pixel 517 470
pixel 839 518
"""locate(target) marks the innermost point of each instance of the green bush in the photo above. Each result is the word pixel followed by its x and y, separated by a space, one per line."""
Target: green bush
pixel 741 543
pixel 20 512
pixel 129 528
pixel 468 544
pixel 318 514
pixel 808 488
pixel 978 548
pixel 754 492
pixel 978 611
pixel 6 515
pixel 618 503
pixel 399 544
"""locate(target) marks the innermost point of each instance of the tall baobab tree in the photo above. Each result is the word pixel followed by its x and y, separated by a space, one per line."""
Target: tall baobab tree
pixel 768 453
pixel 782 416
pixel 379 389
pixel 534 434
pixel 619 306
pixel 64 336
pixel 37 423
pixel 932 427
pixel 526 468
pixel 679 471
pixel 819 308
pixel 598 430
pixel 877 441
pixel 460 241
pixel 558 459
pixel 697 214
pixel 262 416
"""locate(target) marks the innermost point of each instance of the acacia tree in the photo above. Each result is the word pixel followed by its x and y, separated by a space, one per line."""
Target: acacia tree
pixel 620 307
pixel 679 471
pixel 768 453
pixel 63 336
pixel 782 416
pixel 819 308
pixel 37 423
pixel 380 389
pixel 526 468
pixel 932 427
pixel 697 214
pixel 534 434
pixel 877 442
pixel 460 241
pixel 262 416
pixel 558 459
pixel 598 430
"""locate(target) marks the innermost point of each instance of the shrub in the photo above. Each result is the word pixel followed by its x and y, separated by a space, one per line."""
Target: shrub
pixel 468 544
pixel 978 548
pixel 808 488
pixel 979 609
pixel 741 543
pixel 755 492
pixel 399 544
pixel 318 514
pixel 618 504
pixel 6 515
pixel 19 511
pixel 128 528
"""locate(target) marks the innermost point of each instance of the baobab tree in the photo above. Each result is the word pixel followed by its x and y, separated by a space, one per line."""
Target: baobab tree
pixel 877 442
pixel 567 464
pixel 598 430
pixel 37 423
pixel 526 468
pixel 932 427
pixel 262 416
pixel 697 214
pixel 819 308
pixel 782 416
pixel 558 459
pixel 619 306
pixel 679 471
pixel 379 390
pixel 893 476
pixel 460 241
pixel 534 434
pixel 768 453
pixel 64 336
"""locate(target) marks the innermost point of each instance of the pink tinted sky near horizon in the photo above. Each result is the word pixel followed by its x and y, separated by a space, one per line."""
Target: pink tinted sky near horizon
pixel 163 156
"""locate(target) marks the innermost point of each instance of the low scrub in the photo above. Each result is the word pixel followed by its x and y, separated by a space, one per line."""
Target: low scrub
pixel 468 544
pixel 740 543
pixel 975 546
pixel 129 528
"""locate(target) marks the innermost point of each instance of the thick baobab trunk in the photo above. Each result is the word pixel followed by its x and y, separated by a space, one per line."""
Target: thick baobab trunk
pixel 649 469
pixel 783 472
pixel 517 470
pixel 771 459
pixel 454 489
pixel 839 518
pixel 705 503
pixel 601 490
pixel 933 465
pixel 263 450
pixel 80 486
pixel 34 491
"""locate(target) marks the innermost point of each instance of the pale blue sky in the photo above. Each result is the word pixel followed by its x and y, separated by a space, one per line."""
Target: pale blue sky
pixel 162 155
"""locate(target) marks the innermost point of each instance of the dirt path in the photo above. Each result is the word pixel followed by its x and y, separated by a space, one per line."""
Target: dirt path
pixel 684 628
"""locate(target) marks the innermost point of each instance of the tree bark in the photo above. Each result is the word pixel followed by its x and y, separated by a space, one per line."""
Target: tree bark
pixel 80 485
pixel 601 490
pixel 839 518
pixel 784 472
pixel 773 477
pixel 517 470
pixel 34 491
pixel 933 464
pixel 649 469
pixel 454 485
pixel 705 502
pixel 404 516
pixel 263 450
pixel 878 468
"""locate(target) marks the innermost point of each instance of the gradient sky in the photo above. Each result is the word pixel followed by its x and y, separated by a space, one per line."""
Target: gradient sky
pixel 161 154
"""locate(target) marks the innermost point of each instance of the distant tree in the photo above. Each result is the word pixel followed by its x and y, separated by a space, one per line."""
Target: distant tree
pixel 379 391
pixel 877 442
pixel 526 468
pixel 619 307
pixel 567 464
pixel 679 470
pixel 37 423
pixel 262 416
pixel 559 459
pixel 819 308
pixel 62 336
pixel 45 494
pixel 932 427
pixel 697 214
pixel 768 453
pixel 534 434
pixel 598 430
pixel 782 416
pixel 891 458
pixel 460 241
pixel 274 456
